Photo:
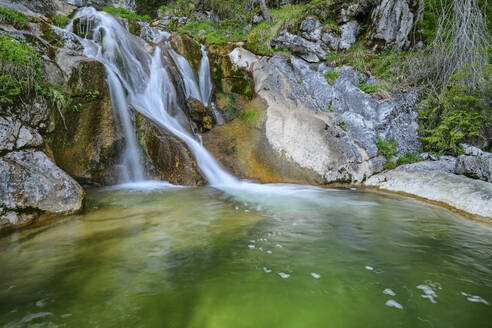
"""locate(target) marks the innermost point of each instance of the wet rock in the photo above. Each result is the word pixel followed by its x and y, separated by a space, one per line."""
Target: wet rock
pixel 349 32
pixel 474 164
pixel 311 29
pixel 29 180
pixel 426 180
pixel 202 116
pixel 85 142
pixel 392 24
pixel 188 48
pixel 166 156
pixel 310 51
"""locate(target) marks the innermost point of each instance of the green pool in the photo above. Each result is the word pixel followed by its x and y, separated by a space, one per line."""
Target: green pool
pixel 200 257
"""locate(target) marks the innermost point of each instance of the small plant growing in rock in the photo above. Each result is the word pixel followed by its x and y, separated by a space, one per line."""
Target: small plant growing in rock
pixel 92 94
pixel 331 77
pixel 343 126
pixel 77 107
pixel 387 148
pixel 367 88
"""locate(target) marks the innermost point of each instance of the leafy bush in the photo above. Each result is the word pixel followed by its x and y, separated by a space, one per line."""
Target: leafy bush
pixel 458 114
pixel 10 17
pixel 124 13
pixel 387 148
pixel 20 70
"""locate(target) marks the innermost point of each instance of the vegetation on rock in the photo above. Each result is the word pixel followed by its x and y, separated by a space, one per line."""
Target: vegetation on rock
pixel 14 18
pixel 20 70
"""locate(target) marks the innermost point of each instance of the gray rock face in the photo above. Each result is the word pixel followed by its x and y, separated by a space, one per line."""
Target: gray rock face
pixel 392 24
pixel 350 31
pixel 331 40
pixel 427 180
pixel 475 164
pixel 310 51
pixel 330 130
pixel 311 29
pixel 29 180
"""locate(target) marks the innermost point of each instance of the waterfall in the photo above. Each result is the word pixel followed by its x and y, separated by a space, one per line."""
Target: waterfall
pixel 142 80
pixel 204 78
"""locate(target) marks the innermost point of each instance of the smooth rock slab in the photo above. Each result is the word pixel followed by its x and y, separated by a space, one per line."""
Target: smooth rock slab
pixel 30 180
pixel 466 194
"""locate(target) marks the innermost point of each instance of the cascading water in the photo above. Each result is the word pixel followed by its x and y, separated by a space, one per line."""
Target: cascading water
pixel 204 78
pixel 149 88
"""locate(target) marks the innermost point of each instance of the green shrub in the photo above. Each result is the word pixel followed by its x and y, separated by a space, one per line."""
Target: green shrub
pixel 387 148
pixel 10 17
pixel 20 70
pixel 458 114
pixel 409 158
pixel 124 13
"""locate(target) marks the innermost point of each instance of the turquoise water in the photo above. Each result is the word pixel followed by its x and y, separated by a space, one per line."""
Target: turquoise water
pixel 196 257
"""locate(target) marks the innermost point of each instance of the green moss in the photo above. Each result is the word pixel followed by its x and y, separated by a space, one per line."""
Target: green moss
pixel 124 13
pixel 331 77
pixel 212 33
pixel 249 116
pixel 14 18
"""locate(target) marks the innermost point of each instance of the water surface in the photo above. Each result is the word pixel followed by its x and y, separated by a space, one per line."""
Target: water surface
pixel 290 256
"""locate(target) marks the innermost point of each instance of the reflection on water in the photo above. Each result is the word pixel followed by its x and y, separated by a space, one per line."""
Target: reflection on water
pixel 156 255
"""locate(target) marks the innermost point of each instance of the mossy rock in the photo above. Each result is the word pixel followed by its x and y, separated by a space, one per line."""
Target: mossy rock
pixel 226 77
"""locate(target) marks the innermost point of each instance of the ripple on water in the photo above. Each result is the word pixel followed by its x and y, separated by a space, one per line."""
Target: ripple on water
pixel 393 303
pixel 284 275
